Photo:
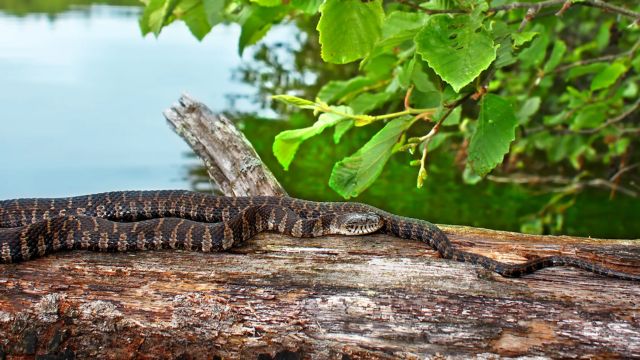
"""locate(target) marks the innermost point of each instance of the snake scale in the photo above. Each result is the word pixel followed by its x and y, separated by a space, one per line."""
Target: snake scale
pixel 140 220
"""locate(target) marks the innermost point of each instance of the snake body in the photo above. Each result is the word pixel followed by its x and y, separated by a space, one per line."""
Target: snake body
pixel 139 220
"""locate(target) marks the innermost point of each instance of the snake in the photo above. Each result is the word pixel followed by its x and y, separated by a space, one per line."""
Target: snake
pixel 178 219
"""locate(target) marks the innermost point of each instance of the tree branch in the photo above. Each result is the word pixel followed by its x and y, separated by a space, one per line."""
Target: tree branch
pixel 533 5
pixel 571 183
pixel 550 3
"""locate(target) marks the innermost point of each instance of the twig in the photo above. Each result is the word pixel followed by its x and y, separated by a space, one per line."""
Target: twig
pixel 531 13
pixel 611 121
pixel 591 3
pixel 407 98
pixel 604 58
pixel 425 140
pixel 623 170
pixel 565 7
pixel 572 185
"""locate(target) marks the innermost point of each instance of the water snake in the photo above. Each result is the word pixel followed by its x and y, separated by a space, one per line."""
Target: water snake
pixel 139 220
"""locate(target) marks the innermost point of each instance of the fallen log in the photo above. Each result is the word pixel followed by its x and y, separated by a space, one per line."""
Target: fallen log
pixel 334 297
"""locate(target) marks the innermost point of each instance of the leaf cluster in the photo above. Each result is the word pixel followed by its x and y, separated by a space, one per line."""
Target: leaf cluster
pixel 523 90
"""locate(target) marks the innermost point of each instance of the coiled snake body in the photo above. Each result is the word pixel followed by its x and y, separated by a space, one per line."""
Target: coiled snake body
pixel 139 220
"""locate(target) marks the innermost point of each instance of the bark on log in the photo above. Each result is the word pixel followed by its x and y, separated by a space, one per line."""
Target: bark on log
pixel 228 156
pixel 332 297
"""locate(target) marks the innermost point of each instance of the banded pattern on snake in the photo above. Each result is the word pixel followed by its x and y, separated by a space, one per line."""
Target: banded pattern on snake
pixel 139 220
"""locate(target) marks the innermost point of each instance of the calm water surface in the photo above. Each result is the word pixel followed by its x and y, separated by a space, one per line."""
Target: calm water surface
pixel 82 98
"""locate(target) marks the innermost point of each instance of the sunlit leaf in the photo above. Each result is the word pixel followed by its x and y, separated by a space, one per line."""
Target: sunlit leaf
pixel 349 29
pixel 193 13
pixel 155 15
pixel 353 174
pixel 287 142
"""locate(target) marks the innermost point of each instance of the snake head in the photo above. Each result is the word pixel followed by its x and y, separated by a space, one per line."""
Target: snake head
pixel 357 223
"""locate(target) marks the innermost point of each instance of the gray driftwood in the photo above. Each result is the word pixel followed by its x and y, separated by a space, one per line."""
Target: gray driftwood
pixel 229 158
pixel 334 297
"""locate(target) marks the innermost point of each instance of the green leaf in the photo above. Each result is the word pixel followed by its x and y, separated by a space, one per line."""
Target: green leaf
pixel 521 38
pixel 154 16
pixel 608 76
pixel 585 70
pixel 501 33
pixel 193 13
pixel 353 174
pixel 340 129
pixel 494 133
pixel 333 91
pixel 267 3
pixel 470 177
pixel 287 142
pixel 307 6
pixel 399 27
pixel 559 48
pixel 537 51
pixel 349 29
pixel 256 21
pixel 530 107
pixel 380 67
pixel 214 9
pixel 589 117
pixel 454 49
pixel 295 101
pixel 366 102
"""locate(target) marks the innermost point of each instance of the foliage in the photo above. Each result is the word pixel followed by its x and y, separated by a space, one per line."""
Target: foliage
pixel 551 85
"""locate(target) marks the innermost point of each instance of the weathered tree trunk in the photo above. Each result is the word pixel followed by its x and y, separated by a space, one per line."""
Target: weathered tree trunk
pixel 228 156
pixel 331 297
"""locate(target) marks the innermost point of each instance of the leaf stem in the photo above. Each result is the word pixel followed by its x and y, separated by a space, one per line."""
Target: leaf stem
pixel 425 140
pixel 328 109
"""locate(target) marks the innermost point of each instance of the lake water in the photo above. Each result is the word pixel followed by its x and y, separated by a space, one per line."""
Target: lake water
pixel 82 95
